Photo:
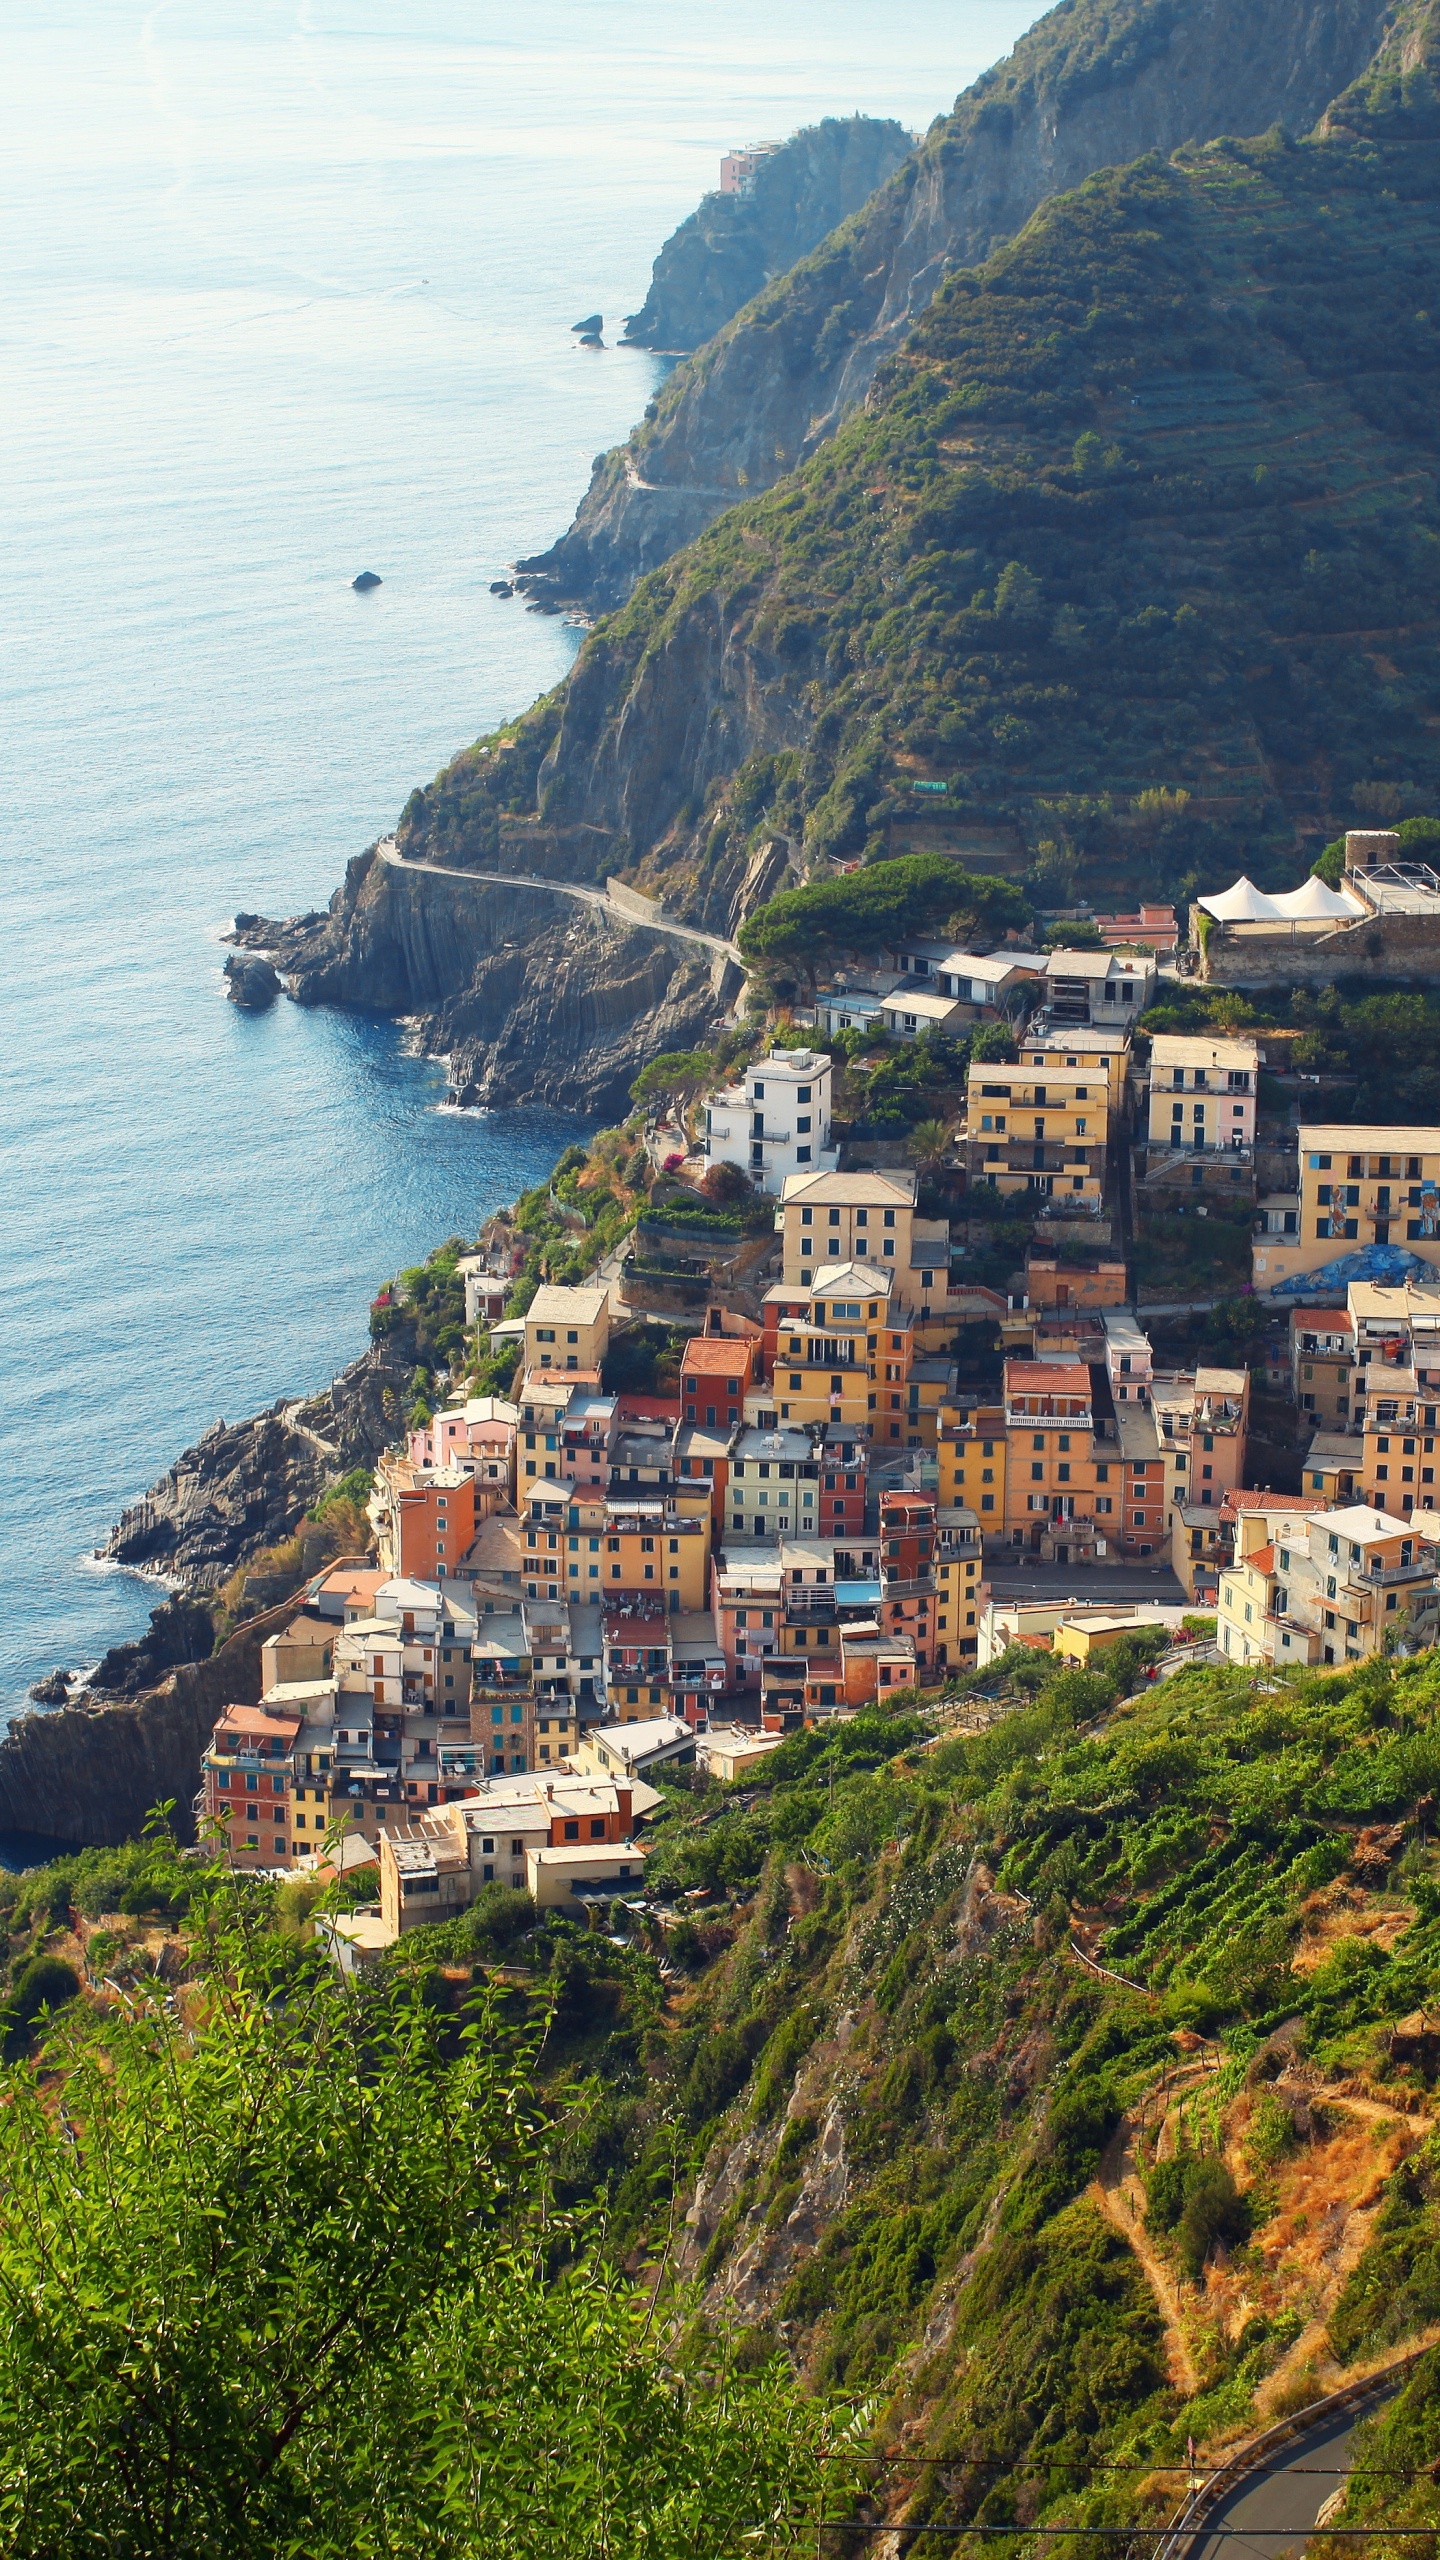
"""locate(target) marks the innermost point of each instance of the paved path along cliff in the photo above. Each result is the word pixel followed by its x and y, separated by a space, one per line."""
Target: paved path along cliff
pixel 627 915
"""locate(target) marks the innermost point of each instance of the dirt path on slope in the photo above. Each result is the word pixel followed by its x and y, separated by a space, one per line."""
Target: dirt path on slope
pixel 1116 2189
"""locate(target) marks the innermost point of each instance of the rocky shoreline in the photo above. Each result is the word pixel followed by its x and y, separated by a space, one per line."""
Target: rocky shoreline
pixel 245 1485
pixel 531 998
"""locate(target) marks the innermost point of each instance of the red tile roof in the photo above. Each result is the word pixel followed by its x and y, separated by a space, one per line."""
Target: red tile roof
pixel 714 1357
pixel 264 1722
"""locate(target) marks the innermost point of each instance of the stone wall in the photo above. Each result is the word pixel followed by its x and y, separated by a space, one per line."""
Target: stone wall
pixel 1384 947
pixel 633 902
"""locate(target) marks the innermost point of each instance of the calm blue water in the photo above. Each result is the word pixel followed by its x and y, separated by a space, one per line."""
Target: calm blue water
pixel 287 293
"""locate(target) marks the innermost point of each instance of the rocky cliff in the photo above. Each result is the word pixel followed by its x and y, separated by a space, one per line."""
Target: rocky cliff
pixel 1125 557
pixel 732 246
pixel 245 1485
pixel 1095 84
pixel 92 1773
pixel 532 997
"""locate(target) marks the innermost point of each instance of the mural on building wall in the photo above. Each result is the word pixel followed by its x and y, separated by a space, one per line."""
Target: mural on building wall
pixel 1388 1266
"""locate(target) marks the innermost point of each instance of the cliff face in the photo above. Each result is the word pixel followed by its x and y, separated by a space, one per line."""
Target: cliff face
pixel 532 997
pixel 1093 561
pixel 91 1774
pixel 1125 555
pixel 732 246
pixel 245 1485
pixel 1090 87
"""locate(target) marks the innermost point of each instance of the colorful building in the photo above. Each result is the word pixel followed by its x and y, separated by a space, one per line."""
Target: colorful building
pixel 567 1328
pixel 1361 1191
pixel 1050 1467
pixel 1042 1132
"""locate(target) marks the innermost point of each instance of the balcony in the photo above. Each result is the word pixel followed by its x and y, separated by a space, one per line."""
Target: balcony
pixel 812 1605
pixel 913 1589
pixel 1172 1150
pixel 1379 1577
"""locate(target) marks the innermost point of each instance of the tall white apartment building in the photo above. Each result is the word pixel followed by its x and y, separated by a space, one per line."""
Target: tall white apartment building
pixel 778 1121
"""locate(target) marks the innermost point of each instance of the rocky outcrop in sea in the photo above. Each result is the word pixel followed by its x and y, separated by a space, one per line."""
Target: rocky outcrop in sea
pixel 531 997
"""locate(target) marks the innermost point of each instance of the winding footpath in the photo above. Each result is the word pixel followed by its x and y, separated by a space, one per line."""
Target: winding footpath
pixel 601 898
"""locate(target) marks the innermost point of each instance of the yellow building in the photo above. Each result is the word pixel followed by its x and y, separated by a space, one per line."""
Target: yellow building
pixel 829 1218
pixel 1335 1468
pixel 970 1450
pixel 1202 1091
pixel 567 1328
pixel 1329 1587
pixel 596 1549
pixel 651 1543
pixel 1083 1639
pixel 842 1351
pixel 1398 1467
pixel 1358 1187
pixel 1322 1365
pixel 1067 1044
pixel 958 1569
pixel 1250 1628
pixel 774 1486
pixel 1042 1131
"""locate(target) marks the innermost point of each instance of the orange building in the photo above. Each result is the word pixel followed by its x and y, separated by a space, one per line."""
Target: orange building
pixel 716 1373
pixel 247 1773
pixel 907 1570
pixel 425 1518
pixel 1050 1468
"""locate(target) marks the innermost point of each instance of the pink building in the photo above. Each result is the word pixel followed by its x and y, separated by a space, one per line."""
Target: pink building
pixel 478 1435
pixel 737 168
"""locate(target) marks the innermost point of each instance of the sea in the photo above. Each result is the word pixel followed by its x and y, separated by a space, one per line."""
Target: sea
pixel 287 294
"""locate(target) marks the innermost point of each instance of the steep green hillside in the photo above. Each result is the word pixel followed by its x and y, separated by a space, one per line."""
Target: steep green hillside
pixel 1145 507
pixel 1042 2092
pixel 1035 2097
pixel 1092 85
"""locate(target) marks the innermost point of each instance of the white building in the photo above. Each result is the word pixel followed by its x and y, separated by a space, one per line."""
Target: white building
pixel 1128 1357
pixel 1110 988
pixel 777 1122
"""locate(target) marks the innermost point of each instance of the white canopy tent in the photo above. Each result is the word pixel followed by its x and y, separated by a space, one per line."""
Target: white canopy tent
pixel 1311 903
pixel 1315 898
pixel 1244 904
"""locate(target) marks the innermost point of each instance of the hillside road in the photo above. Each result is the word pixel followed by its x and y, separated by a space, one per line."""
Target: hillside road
pixel 1272 2510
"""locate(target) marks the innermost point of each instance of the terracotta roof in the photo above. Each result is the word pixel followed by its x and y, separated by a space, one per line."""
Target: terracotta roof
pixel 716 1357
pixel 1064 1377
pixel 261 1722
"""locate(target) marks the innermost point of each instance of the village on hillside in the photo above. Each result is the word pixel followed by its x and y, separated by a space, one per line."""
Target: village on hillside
pixel 879 1459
